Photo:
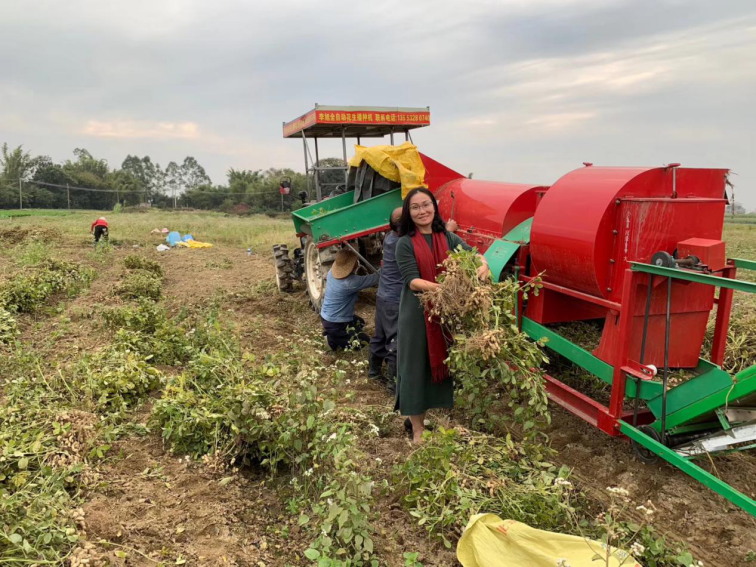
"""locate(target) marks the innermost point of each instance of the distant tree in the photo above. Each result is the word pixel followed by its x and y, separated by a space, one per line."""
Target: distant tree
pixel 94 185
pixel 192 174
pixel 131 189
pixel 89 172
pixel 19 166
pixel 244 186
pixel 16 164
pixel 173 180
pixel 150 175
pixel 205 197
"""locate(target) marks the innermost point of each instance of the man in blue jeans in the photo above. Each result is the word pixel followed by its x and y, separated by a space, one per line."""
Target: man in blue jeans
pixel 383 344
pixel 341 326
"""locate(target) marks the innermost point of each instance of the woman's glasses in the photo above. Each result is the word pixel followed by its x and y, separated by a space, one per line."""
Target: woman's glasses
pixel 426 206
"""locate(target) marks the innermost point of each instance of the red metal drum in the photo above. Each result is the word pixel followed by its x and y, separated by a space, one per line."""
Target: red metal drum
pixel 594 221
pixel 486 210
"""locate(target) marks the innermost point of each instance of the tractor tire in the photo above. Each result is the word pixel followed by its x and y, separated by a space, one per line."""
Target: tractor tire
pixel 317 262
pixel 284 268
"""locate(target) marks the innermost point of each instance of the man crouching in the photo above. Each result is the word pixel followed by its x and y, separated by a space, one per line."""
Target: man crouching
pixel 341 326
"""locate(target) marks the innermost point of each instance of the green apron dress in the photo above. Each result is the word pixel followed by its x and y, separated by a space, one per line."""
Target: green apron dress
pixel 416 393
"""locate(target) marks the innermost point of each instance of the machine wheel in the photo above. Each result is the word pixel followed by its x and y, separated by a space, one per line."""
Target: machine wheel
pixel 284 268
pixel 663 259
pixel 645 455
pixel 317 263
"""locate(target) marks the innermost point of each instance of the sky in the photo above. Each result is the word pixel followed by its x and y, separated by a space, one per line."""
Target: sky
pixel 519 90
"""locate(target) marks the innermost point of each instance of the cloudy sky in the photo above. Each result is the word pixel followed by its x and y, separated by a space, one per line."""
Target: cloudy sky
pixel 519 90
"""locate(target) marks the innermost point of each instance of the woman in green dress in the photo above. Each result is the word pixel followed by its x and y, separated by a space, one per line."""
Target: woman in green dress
pixel 423 380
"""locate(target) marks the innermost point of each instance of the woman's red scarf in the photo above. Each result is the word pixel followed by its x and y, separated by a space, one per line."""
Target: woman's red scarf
pixel 430 264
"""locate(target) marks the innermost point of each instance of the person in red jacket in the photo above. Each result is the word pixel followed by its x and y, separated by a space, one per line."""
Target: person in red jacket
pixel 100 229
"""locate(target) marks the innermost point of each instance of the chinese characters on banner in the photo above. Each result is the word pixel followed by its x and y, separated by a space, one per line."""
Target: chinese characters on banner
pixel 368 117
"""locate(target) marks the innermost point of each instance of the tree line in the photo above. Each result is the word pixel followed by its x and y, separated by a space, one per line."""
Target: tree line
pixel 86 182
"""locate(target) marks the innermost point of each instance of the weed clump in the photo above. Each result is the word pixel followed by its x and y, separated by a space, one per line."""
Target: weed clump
pixel 136 262
pixel 489 354
pixel 140 284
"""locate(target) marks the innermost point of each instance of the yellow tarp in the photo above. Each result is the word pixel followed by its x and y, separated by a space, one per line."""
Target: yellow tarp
pixel 489 541
pixel 397 163
pixel 194 244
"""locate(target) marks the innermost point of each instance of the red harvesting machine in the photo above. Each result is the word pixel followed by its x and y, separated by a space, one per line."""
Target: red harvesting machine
pixel 636 253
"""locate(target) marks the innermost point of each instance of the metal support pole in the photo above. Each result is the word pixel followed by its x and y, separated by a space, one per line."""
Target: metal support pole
pixel 665 378
pixel 625 324
pixel 391 135
pixel 68 196
pixel 406 135
pixel 20 199
pixel 674 183
pixel 643 347
pixel 307 168
pixel 343 145
pixel 316 172
pixel 367 264
pixel 724 307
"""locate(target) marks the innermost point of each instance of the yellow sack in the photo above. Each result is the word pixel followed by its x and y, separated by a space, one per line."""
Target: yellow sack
pixel 489 541
pixel 195 244
pixel 397 163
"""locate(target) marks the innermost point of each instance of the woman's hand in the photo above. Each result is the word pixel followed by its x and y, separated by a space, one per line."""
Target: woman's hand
pixel 483 271
pixel 420 284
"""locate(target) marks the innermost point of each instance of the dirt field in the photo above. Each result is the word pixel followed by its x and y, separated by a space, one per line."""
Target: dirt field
pixel 146 506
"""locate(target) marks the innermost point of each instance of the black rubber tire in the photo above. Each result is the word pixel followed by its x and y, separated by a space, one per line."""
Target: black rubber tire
pixel 645 455
pixel 284 268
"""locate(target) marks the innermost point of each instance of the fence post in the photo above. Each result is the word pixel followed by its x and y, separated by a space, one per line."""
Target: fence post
pixel 20 199
pixel 68 196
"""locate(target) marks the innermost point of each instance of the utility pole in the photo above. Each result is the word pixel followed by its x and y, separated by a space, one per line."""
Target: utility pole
pixel 68 196
pixel 20 199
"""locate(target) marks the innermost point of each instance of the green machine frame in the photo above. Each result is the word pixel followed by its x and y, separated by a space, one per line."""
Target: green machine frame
pixel 713 411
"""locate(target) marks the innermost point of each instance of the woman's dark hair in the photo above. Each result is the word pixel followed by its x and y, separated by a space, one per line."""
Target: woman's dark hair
pixel 407 225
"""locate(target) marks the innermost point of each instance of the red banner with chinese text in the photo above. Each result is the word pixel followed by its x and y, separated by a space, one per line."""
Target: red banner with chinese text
pixel 352 116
